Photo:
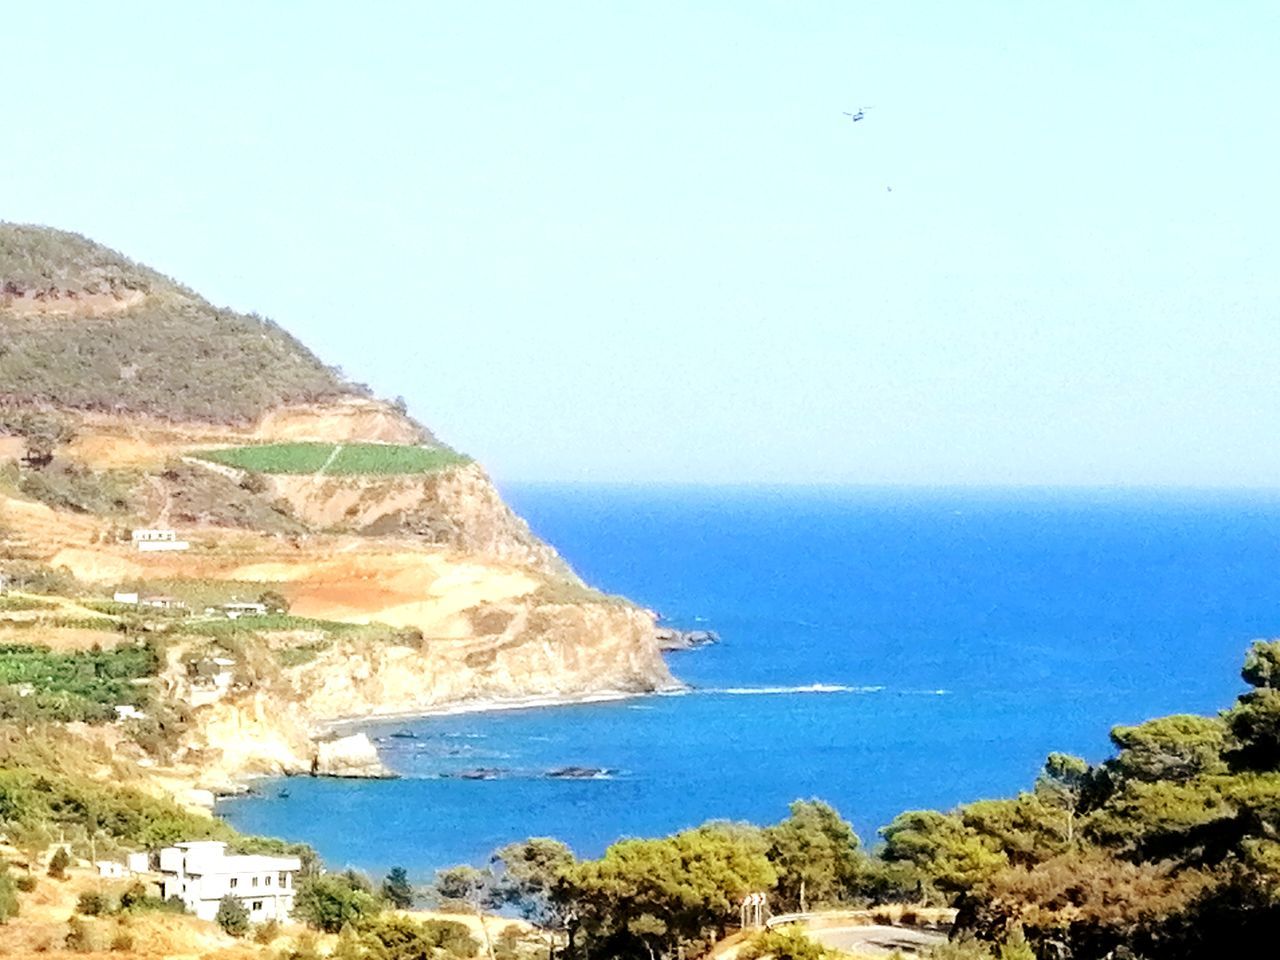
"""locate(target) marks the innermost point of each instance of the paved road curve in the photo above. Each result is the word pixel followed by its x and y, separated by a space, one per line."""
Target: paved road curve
pixel 877 941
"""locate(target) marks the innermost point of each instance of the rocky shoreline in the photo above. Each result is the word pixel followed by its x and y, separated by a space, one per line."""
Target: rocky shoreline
pixel 673 640
pixel 342 747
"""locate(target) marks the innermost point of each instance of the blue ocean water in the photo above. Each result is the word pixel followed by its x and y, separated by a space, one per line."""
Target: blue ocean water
pixel 954 638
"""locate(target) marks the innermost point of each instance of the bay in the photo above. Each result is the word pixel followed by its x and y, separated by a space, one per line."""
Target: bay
pixel 882 649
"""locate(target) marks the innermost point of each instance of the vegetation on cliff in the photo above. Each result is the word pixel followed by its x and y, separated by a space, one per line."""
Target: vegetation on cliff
pixel 85 328
pixel 86 685
pixel 337 459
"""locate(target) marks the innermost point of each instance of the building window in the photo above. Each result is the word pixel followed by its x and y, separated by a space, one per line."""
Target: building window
pixel 268 879
pixel 257 904
pixel 255 881
pixel 284 879
pixel 235 881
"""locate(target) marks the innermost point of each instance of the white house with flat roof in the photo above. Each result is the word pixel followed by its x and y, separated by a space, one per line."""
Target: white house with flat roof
pixel 235 611
pixel 153 541
pixel 201 873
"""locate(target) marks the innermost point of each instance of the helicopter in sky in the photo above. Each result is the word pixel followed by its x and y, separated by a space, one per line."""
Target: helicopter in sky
pixel 855 117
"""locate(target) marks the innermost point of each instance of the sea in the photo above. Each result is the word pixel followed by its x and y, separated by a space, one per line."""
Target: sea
pixel 881 649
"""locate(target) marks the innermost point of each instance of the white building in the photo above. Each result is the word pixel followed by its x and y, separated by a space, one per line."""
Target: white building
pixel 201 873
pixel 150 541
pixel 235 611
pixel 138 862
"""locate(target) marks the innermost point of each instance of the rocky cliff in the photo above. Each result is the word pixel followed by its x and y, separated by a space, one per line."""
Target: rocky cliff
pixel 127 401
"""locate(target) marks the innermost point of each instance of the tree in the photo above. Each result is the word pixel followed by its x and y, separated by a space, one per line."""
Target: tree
pixel 1061 786
pixel 531 877
pixel 397 890
pixel 471 887
pixel 815 853
pixel 692 882
pixel 1254 721
pixel 1093 904
pixel 328 901
pixel 274 601
pixel 945 851
pixel 1177 748
pixel 1025 829
pixel 58 863
pixel 232 917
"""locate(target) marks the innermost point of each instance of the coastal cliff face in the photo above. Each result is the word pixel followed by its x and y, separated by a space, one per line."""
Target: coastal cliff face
pixel 279 721
pixel 459 508
pixel 550 651
pixel 127 401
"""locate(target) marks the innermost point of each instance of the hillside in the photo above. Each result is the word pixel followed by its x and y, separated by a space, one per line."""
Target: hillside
pixel 393 577
pixel 85 328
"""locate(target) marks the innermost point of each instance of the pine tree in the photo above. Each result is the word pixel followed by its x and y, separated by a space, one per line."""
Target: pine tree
pixel 397 890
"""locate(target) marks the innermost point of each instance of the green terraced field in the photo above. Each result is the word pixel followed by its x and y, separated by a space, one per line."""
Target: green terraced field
pixel 348 459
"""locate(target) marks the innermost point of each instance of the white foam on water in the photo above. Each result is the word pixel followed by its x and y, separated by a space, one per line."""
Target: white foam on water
pixel 784 691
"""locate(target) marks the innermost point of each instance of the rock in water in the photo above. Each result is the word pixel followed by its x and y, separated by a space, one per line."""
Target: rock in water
pixel 578 773
pixel 352 756
pixel 671 639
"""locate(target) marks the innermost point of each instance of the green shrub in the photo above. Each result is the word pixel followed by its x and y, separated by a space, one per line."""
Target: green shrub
pixel 329 901
pixel 134 895
pixel 788 944
pixel 1015 947
pixel 9 888
pixel 404 938
pixel 232 917
pixel 79 939
pixel 73 487
pixel 296 656
pixel 122 940
pixel 136 899
pixel 58 864
pixel 93 904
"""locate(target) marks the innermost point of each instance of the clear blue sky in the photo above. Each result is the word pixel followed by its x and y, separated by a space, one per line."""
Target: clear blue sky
pixel 600 241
